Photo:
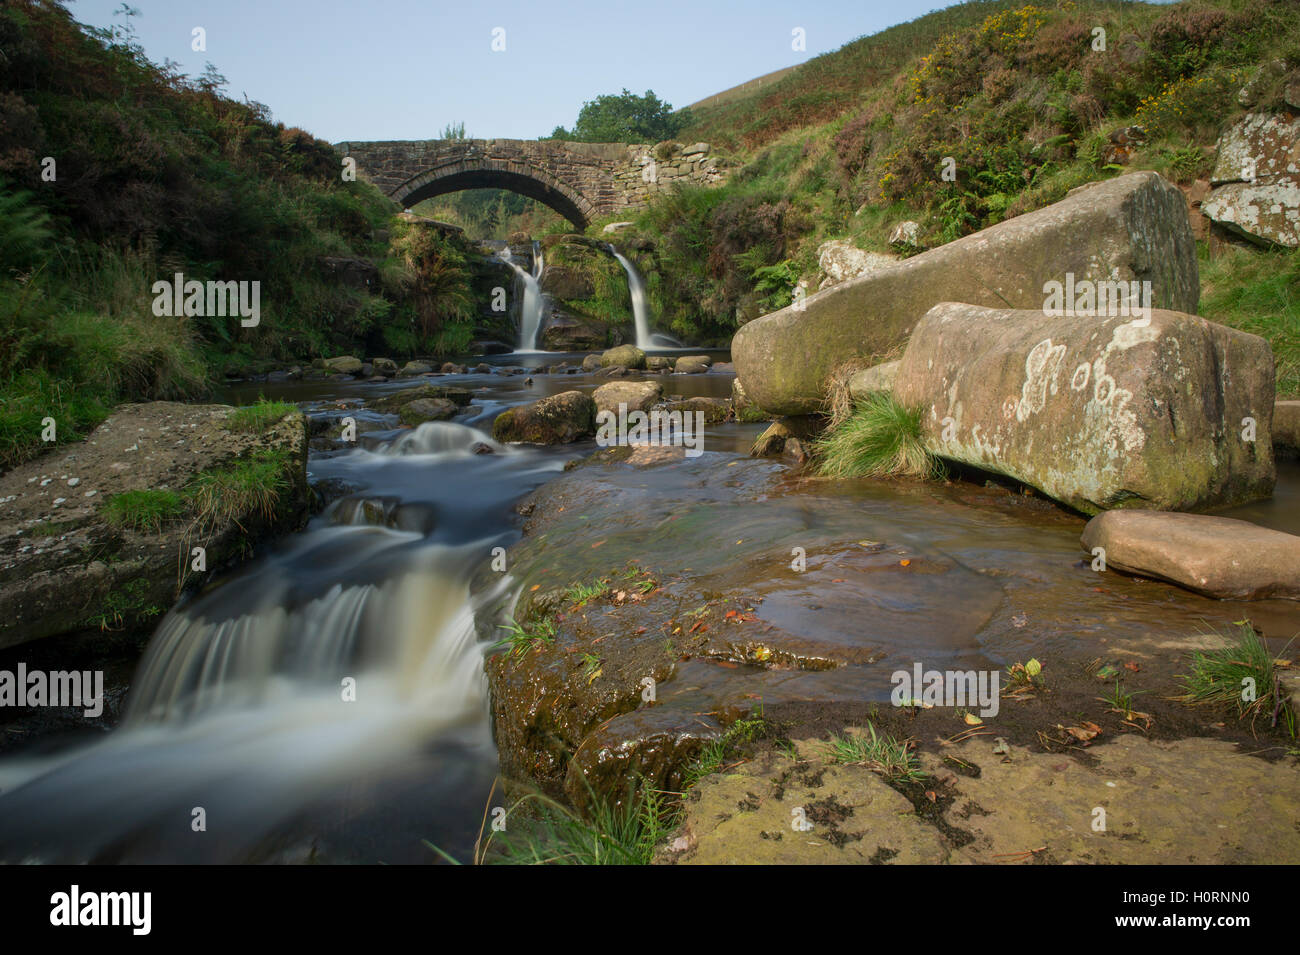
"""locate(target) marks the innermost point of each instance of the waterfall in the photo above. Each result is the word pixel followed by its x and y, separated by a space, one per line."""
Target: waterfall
pixel 640 311
pixel 530 311
pixel 344 661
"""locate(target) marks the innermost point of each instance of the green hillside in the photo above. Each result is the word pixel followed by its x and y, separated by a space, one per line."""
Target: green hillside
pixel 116 173
pixel 1016 96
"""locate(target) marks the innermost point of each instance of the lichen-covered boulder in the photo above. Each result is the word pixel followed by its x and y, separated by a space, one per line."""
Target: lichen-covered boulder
pixel 560 419
pixel 1131 228
pixel 1257 175
pixel 1167 412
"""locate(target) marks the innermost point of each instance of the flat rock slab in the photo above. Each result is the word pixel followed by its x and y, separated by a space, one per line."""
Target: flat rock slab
pixel 1166 411
pixel 1131 228
pixel 1195 800
pixel 1216 556
pixel 65 568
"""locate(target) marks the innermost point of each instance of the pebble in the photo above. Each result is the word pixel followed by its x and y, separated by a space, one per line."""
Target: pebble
pixel 73 482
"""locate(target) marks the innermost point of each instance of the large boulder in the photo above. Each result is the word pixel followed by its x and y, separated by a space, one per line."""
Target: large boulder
pixel 563 331
pixel 625 356
pixel 1216 556
pixel 636 395
pixel 1257 175
pixel 560 419
pixel 1168 411
pixel 1133 227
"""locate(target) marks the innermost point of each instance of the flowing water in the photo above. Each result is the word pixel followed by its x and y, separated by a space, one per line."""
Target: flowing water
pixel 533 304
pixel 327 701
pixel 337 675
pixel 640 310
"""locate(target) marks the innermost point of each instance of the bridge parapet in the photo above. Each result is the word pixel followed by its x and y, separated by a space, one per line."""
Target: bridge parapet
pixel 581 181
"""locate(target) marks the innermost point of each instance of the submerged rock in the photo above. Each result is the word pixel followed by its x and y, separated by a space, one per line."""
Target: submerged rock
pixel 1169 412
pixel 1216 556
pixel 1133 227
pixel 560 419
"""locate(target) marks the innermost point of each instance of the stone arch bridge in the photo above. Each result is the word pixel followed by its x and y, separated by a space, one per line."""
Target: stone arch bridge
pixel 580 181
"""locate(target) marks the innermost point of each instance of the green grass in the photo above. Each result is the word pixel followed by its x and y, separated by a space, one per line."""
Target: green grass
pixel 254 485
pixel 1119 700
pixel 521 639
pixel 1239 674
pixel 714 754
pixel 259 416
pixel 145 511
pixel 581 594
pixel 1257 291
pixel 880 753
pixel 880 438
pixel 542 831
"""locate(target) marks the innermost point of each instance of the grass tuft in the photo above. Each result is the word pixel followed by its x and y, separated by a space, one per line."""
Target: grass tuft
pixel 880 753
pixel 259 416
pixel 145 511
pixel 1241 674
pixel 254 485
pixel 880 438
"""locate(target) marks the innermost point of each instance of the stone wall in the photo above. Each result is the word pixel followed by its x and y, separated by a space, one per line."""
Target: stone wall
pixel 581 181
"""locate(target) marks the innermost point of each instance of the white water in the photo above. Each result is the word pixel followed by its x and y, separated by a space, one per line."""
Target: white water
pixel 530 310
pixel 640 311
pixel 239 704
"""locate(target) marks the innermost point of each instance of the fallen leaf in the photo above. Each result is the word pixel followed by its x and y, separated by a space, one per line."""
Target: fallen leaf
pixel 597 544
pixel 729 614
pixel 904 562
pixel 1033 668
pixel 973 720
pixel 838 580
pixel 1001 747
pixel 1084 731
pixel 1132 666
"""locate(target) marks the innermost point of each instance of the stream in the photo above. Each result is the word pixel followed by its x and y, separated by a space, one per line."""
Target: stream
pixel 326 702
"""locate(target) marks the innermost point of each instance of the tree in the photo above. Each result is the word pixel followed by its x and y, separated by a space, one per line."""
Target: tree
pixel 625 118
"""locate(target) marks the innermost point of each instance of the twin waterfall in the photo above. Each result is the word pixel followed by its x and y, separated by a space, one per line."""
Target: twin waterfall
pixel 533 304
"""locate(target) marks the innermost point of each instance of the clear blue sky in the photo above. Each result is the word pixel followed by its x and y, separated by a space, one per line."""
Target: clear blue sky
pixel 403 69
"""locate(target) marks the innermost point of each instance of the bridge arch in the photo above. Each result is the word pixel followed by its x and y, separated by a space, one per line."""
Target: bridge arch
pixel 483 173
